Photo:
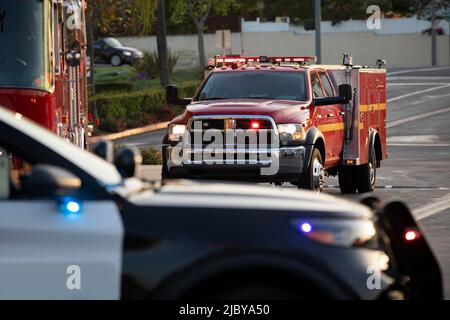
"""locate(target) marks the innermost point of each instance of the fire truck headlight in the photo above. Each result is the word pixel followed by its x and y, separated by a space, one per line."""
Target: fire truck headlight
pixel 290 132
pixel 176 132
pixel 127 53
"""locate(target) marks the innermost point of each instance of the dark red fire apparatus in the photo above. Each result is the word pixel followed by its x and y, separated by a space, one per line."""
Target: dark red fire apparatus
pixel 43 64
pixel 326 119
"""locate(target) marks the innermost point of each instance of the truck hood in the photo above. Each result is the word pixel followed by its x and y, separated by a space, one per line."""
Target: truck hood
pixel 282 111
pixel 193 194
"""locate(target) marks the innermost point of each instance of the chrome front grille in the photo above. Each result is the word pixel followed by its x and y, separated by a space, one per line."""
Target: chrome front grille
pixel 235 149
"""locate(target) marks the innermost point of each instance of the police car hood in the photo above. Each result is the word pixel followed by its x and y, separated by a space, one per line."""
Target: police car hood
pixel 282 111
pixel 186 193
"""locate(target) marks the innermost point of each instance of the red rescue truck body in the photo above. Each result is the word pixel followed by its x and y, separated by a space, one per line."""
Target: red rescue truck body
pixel 328 119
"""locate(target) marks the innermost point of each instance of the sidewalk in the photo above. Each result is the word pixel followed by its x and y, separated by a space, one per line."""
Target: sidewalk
pixel 150 172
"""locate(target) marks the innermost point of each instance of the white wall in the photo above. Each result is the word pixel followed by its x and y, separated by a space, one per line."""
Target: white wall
pixel 388 26
pixel 400 50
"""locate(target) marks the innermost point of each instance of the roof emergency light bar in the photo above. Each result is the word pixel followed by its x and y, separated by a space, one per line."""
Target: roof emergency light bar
pixel 229 60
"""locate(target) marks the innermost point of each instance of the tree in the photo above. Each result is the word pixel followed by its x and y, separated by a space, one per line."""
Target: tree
pixel 161 39
pixel 123 17
pixel 90 38
pixel 146 8
pixel 199 11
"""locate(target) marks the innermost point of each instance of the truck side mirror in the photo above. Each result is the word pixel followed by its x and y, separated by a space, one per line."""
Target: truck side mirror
pixel 345 90
pixel 345 95
pixel 172 96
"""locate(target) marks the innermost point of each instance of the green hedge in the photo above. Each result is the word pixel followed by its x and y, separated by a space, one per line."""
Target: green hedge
pixel 120 86
pixel 151 156
pixel 126 110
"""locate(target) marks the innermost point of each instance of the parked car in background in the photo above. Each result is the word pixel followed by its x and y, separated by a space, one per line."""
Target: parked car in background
pixel 110 50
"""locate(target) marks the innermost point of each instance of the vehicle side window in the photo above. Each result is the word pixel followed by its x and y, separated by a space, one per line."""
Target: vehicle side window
pixel 326 84
pixel 315 85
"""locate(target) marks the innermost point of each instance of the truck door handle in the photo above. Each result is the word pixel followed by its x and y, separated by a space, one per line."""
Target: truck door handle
pixel 330 115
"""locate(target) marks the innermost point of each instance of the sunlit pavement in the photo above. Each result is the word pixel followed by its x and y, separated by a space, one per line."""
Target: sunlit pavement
pixel 418 168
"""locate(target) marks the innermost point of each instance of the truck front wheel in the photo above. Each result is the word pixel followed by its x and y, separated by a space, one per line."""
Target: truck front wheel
pixel 164 170
pixel 313 177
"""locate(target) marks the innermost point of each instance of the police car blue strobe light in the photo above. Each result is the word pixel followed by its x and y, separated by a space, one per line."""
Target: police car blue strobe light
pixel 73 207
pixel 306 227
pixel 70 206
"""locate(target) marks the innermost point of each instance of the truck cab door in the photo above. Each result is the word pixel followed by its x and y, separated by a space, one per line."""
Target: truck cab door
pixel 337 111
pixel 324 119
pixel 57 248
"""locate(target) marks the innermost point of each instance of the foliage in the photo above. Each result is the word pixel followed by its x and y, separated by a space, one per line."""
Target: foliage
pixel 123 17
pixel 336 10
pixel 149 66
pixel 121 111
pixel 151 156
pixel 199 10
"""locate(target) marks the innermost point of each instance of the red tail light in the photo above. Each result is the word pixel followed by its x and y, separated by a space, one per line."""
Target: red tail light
pixel 411 235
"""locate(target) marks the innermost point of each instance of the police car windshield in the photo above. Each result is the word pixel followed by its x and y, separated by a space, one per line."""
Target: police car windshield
pixel 264 84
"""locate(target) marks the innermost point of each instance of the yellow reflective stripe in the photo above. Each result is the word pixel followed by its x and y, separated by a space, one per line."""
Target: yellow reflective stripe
pixel 367 107
pixel 335 126
pixel 331 127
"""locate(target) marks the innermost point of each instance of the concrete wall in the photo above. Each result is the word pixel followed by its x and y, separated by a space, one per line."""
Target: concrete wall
pixel 387 26
pixel 400 50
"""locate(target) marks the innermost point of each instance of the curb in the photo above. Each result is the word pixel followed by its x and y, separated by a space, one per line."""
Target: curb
pixel 130 132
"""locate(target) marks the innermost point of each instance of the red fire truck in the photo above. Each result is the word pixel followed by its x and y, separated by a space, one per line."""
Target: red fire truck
pixel 323 119
pixel 43 64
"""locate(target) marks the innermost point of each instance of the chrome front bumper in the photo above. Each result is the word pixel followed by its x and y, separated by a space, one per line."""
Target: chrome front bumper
pixel 284 162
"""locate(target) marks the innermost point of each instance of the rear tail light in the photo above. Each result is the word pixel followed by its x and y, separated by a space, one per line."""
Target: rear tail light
pixel 411 235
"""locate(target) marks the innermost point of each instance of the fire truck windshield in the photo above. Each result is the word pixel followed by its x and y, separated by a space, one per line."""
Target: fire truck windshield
pixel 264 84
pixel 26 44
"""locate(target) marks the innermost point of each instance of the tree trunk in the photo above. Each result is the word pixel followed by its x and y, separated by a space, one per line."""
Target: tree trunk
pixel 201 43
pixel 161 41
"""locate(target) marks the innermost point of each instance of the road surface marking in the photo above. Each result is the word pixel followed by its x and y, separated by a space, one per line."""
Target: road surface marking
pixel 416 84
pixel 418 70
pixel 432 208
pixel 413 118
pixel 418 78
pixel 418 144
pixel 417 92
pixel 425 138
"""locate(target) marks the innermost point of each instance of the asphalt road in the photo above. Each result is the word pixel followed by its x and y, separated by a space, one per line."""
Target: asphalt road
pixel 418 168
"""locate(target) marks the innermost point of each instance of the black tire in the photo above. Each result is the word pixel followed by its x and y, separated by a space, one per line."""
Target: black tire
pixel 115 60
pixel 165 170
pixel 367 173
pixel 254 291
pixel 313 178
pixel 347 176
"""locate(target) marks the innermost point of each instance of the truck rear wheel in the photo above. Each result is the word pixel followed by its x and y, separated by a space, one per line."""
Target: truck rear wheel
pixel 367 174
pixel 347 179
pixel 313 177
